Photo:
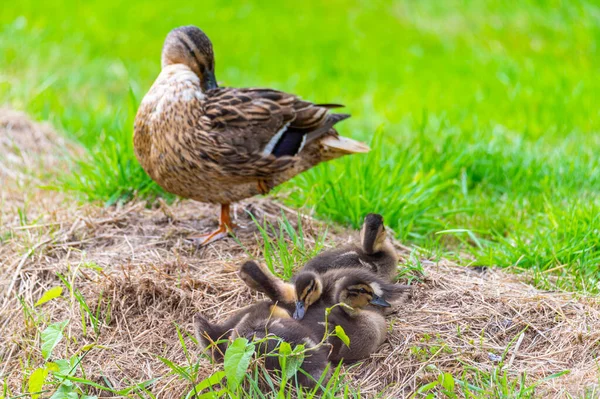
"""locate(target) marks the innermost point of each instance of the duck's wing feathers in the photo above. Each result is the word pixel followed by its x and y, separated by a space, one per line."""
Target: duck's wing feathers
pixel 265 123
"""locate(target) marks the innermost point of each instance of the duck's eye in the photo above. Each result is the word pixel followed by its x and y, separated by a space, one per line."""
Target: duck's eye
pixel 363 291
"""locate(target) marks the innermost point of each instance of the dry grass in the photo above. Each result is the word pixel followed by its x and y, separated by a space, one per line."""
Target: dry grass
pixel 133 263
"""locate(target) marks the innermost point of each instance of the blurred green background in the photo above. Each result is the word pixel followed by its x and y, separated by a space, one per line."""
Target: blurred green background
pixel 484 115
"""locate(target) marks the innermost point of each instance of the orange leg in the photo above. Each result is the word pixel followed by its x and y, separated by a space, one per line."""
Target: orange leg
pixel 225 225
pixel 262 187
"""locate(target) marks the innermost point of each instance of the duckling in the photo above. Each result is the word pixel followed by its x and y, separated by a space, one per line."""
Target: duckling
pixel 375 252
pixel 261 320
pixel 316 289
pixel 363 323
pixel 362 319
pixel 221 145
pixel 309 287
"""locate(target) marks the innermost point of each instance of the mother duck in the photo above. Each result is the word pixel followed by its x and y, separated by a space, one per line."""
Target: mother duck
pixel 220 144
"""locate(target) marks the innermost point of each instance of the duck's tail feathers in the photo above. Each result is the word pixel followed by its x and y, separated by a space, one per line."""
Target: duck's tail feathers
pixel 345 144
pixel 325 128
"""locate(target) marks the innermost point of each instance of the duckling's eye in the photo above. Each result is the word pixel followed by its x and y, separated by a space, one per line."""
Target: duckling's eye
pixel 363 291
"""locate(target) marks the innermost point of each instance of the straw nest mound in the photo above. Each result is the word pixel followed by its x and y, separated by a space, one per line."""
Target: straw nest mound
pixel 133 263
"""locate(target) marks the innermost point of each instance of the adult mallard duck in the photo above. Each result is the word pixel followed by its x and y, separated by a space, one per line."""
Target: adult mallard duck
pixel 221 145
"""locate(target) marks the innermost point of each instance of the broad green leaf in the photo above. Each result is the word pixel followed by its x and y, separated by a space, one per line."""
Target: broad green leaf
pixel 65 392
pixel 447 382
pixel 36 382
pixel 49 295
pixel 89 397
pixel 52 366
pixel 237 360
pixel 341 334
pixel 64 366
pixel 293 360
pixel 285 349
pixel 51 336
pixel 298 349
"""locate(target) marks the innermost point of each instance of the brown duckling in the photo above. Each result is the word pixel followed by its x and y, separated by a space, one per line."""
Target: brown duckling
pixel 259 321
pixel 375 252
pixel 361 317
pixel 222 145
pixel 314 289
pixel 365 295
pixel 310 288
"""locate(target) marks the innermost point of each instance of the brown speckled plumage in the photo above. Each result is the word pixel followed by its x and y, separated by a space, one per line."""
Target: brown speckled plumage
pixel 222 145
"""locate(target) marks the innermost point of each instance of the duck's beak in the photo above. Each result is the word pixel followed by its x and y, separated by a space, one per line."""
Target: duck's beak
pixel 300 310
pixel 379 301
pixel 209 81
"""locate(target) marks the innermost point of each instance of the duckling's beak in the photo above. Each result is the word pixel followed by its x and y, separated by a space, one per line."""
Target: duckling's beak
pixel 209 81
pixel 300 310
pixel 379 301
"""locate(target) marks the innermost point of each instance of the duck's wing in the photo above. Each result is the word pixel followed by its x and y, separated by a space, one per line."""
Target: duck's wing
pixel 265 123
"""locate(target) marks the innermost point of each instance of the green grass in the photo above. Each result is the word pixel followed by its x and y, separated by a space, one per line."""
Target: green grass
pixel 285 247
pixel 487 110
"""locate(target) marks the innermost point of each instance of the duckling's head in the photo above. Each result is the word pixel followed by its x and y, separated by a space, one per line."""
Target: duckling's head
pixel 189 46
pixel 309 288
pixel 358 293
pixel 373 234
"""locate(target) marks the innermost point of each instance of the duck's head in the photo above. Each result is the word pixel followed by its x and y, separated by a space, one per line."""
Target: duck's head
pixel 373 234
pixel 309 288
pixel 358 293
pixel 189 46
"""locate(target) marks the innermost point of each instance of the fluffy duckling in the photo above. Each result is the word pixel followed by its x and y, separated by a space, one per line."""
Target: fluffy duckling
pixel 315 289
pixel 309 288
pixel 259 321
pixel 222 145
pixel 364 294
pixel 362 322
pixel 374 252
